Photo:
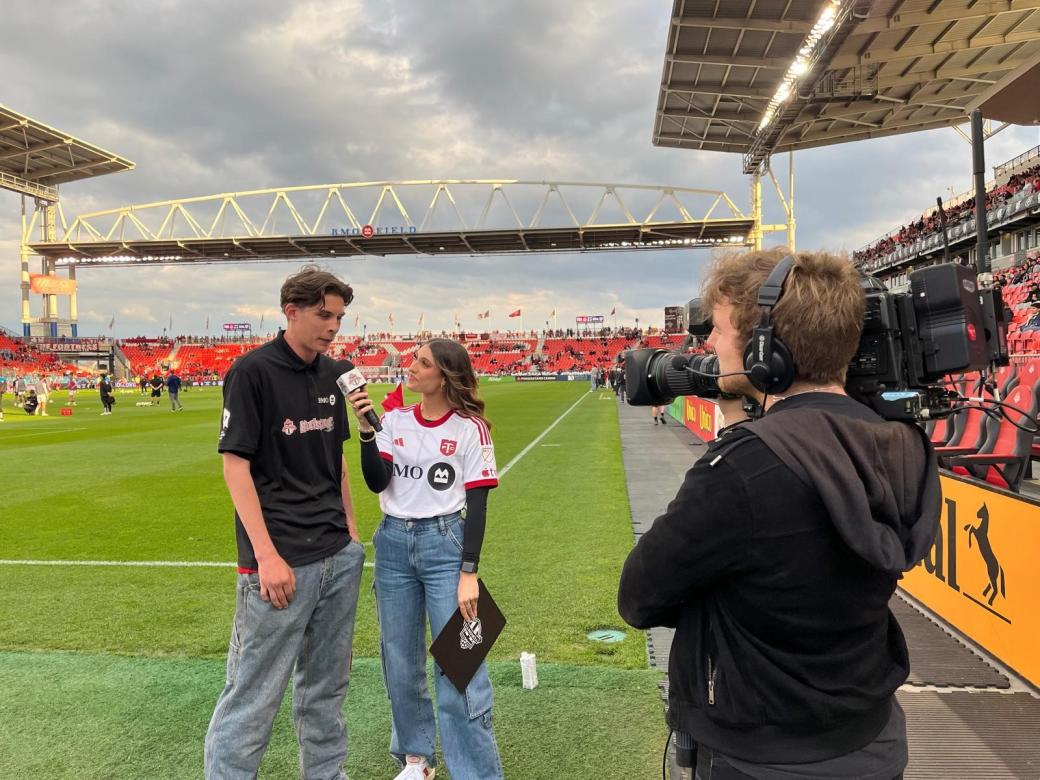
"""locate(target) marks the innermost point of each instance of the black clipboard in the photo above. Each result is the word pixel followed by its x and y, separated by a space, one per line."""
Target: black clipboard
pixel 460 648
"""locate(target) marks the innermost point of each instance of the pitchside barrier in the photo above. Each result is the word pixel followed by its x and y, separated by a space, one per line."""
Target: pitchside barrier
pixel 980 577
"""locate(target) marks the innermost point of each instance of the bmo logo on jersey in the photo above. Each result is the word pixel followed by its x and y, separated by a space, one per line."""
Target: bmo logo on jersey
pixel 441 476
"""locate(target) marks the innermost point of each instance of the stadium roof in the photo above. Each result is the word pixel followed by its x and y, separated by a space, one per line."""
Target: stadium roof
pixel 1014 99
pixel 35 158
pixel 885 67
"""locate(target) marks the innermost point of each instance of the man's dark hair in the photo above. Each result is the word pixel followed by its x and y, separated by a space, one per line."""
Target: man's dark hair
pixel 310 285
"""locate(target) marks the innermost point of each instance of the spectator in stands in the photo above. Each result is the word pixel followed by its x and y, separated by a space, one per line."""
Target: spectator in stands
pixel 105 391
pixel 426 557
pixel 819 494
pixel 299 555
pixel 173 389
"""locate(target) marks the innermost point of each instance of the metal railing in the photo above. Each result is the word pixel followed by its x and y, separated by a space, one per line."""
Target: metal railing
pixel 1014 162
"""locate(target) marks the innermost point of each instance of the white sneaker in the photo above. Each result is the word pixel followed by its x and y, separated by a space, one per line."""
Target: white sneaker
pixel 416 768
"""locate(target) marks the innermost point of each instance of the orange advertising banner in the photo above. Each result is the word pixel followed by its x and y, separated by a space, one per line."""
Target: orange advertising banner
pixel 51 285
pixel 701 417
pixel 982 574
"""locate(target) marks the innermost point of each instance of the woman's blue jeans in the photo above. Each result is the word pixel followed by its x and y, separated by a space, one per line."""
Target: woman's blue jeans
pixel 417 576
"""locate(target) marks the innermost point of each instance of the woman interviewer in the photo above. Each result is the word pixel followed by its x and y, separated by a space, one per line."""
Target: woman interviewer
pixel 429 461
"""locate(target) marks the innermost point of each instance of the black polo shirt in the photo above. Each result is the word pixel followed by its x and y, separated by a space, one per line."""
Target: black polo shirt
pixel 289 420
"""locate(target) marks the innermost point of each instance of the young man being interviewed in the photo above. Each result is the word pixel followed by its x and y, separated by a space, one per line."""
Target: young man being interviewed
pixel 776 560
pixel 299 558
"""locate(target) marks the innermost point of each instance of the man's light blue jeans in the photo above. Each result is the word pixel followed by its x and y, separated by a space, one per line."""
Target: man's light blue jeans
pixel 313 636
pixel 417 575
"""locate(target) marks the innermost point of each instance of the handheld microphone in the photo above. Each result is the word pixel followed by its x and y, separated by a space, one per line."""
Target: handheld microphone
pixel 353 380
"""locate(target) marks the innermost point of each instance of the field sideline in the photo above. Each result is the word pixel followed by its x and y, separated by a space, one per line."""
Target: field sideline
pixel 112 671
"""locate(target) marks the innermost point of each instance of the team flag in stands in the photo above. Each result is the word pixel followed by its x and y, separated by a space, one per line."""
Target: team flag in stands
pixel 390 317
pixel 394 400
pixel 357 319
pixel 422 320
pixel 207 324
pixel 484 314
pixel 261 322
pixel 515 313
pixel 553 313
pixel 613 311
pixel 458 322
pixel 112 322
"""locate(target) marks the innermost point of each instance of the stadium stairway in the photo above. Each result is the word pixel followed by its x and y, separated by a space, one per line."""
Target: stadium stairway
pixel 967 716
pixel 172 358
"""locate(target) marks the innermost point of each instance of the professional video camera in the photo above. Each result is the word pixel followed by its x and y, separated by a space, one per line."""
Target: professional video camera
pixel 947 323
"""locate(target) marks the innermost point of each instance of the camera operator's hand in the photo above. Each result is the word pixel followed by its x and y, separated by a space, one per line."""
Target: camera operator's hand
pixel 361 403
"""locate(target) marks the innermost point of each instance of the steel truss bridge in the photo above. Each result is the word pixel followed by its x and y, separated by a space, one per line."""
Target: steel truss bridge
pixel 444 217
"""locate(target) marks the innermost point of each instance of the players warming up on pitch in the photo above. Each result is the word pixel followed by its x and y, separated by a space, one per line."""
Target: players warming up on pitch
pixel 428 462
pixel 299 558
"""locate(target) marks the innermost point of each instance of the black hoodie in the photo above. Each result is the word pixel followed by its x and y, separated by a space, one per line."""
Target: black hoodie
pixel 775 563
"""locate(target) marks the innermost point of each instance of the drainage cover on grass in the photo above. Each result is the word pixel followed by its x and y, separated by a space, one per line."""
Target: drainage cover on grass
pixel 608 635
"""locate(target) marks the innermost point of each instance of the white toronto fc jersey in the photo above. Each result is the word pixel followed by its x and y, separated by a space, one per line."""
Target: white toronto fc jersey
pixel 434 462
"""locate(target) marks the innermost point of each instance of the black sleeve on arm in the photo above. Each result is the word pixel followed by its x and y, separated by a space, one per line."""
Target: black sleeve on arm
pixel 377 472
pixel 702 536
pixel 476 519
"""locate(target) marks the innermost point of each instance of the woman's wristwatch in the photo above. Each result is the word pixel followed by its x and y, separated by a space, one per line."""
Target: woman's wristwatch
pixel 470 567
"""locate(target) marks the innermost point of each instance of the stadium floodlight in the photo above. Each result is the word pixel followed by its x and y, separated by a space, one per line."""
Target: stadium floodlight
pixel 802 62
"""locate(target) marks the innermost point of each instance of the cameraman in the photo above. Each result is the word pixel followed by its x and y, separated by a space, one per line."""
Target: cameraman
pixel 776 560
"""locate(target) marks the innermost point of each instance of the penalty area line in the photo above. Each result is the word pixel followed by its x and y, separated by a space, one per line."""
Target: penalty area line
pixel 132 564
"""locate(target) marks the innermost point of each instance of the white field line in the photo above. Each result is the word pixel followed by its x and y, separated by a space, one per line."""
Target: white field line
pixel 143 564
pixel 542 435
pixel 220 564
pixel 38 433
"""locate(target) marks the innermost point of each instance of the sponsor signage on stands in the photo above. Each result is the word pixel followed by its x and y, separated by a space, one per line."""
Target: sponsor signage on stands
pixel 674 317
pixel 51 285
pixel 77 345
pixel 537 377
pixel 981 574
pixel 237 326
pixel 585 319
pixel 367 231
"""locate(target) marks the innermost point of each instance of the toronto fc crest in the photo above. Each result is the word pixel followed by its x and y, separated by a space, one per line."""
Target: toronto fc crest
pixel 448 446
pixel 471 635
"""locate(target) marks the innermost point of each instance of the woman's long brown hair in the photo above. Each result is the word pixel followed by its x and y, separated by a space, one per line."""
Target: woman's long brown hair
pixel 460 381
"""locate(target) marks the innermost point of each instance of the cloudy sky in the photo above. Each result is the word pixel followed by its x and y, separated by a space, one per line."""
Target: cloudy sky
pixel 209 98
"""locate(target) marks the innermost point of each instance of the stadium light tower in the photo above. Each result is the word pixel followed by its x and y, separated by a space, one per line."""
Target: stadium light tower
pixel 35 159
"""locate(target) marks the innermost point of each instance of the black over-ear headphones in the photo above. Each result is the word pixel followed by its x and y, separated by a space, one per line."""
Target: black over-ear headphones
pixel 767 360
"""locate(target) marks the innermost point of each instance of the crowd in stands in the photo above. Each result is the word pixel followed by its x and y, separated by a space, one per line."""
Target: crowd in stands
pixel 928 223
pixel 17 358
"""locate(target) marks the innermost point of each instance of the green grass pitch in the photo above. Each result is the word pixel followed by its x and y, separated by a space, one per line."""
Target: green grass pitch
pixel 112 672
